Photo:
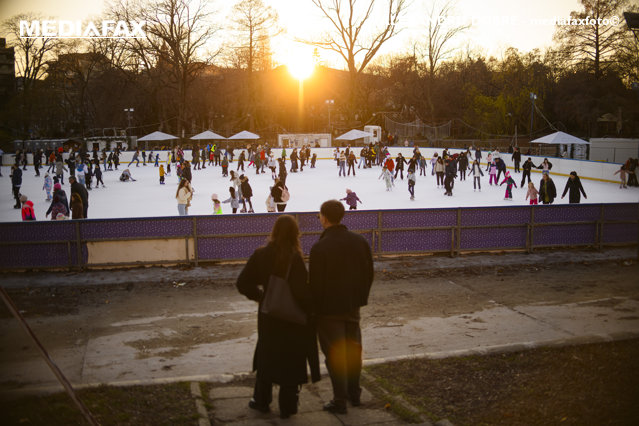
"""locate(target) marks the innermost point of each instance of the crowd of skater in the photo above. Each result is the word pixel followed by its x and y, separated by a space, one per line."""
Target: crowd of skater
pixel 85 172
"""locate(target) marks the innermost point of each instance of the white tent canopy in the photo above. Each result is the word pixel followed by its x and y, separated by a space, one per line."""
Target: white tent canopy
pixel 560 138
pixel 157 136
pixel 353 135
pixel 207 135
pixel 243 135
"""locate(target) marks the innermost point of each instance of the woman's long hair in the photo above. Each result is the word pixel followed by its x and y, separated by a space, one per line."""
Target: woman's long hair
pixel 180 186
pixel 285 237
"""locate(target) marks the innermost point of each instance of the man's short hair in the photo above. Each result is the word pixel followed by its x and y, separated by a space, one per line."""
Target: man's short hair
pixel 72 177
pixel 333 211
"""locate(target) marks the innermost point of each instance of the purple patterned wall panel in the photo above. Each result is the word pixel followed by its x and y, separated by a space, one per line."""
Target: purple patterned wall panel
pixel 495 216
pixel 354 220
pixel 567 213
pixel 235 224
pixel 309 222
pixel 307 242
pixel 37 255
pixel 514 237
pixel 228 248
pixel 426 240
pixel 620 233
pixel 127 228
pixel 37 231
pixel 419 218
pixel 556 235
pixel 621 211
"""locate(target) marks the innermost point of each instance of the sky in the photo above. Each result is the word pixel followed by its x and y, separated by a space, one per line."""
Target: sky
pixel 497 24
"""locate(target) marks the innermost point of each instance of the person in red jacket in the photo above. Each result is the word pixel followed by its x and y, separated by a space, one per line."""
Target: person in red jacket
pixel 27 208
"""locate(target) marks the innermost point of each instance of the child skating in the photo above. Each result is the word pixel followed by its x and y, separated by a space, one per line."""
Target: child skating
pixel 48 185
pixel 622 176
pixel 492 173
pixel 508 180
pixel 351 199
pixel 217 205
pixel 388 178
pixel 162 174
pixel 532 193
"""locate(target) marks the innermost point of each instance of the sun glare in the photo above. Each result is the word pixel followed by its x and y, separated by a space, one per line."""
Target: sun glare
pixel 300 66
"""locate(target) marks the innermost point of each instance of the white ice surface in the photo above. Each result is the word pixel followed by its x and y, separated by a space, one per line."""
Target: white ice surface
pixel 146 197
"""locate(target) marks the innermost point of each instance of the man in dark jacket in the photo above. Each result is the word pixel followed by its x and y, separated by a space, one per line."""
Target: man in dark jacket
pixel 516 157
pixel 341 274
pixel 547 190
pixel 81 190
pixel 528 165
pixel 16 183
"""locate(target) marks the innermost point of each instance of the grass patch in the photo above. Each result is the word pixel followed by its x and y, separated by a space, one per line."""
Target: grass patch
pixel 169 404
pixel 575 385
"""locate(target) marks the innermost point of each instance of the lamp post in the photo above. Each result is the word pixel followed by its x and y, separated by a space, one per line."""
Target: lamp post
pixel 532 111
pixel 329 103
pixel 129 116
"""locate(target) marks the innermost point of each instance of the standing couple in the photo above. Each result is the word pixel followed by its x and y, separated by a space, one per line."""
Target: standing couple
pixel 331 293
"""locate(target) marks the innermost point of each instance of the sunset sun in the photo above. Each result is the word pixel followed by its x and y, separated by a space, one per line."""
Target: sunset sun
pixel 300 64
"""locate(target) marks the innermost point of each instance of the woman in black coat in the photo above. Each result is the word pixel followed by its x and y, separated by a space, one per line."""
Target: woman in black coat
pixel 277 192
pixel 573 184
pixel 283 348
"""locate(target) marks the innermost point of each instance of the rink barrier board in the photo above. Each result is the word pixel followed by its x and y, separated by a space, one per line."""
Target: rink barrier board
pixel 78 244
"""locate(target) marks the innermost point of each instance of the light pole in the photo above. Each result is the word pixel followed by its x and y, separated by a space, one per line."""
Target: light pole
pixel 532 111
pixel 129 116
pixel 329 103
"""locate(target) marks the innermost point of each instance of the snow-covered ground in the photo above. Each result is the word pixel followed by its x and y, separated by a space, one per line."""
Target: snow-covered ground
pixel 146 197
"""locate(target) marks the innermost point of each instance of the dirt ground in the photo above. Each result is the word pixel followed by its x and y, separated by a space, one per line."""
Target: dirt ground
pixel 192 313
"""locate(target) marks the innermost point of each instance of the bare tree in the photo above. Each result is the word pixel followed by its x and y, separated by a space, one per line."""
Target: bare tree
pixel 31 59
pixel 177 32
pixel 594 34
pixel 437 46
pixel 256 23
pixel 352 37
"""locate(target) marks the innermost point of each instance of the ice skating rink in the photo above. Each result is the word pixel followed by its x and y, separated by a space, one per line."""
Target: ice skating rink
pixel 147 198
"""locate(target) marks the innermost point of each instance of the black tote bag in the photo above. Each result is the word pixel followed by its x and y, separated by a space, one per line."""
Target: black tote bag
pixel 279 302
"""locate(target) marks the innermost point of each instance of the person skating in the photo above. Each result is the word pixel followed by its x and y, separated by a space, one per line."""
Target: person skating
pixel 16 183
pixel 449 179
pixel 516 158
pixel 97 172
pixel 439 169
pixel 195 158
pixel 573 184
pixel 280 194
pixel 351 199
pixel 313 160
pixel 59 203
pixel 126 176
pixel 81 190
pixel 183 195
pixel 528 166
pixel 463 166
pixel 477 173
pixel 388 178
pixel 545 166
pixel 532 193
pixel 27 208
pixel 217 204
pixel 351 162
pixel 411 183
pixel 240 161
pixel 247 192
pixel 161 174
pixel 225 166
pixel 510 182
pixel 233 199
pixel 547 189
pixel 622 176
pixel 77 208
pixel 48 186
pixel 135 158
pixel 272 165
pixel 492 174
pixel 501 167
pixel 399 165
pixel 342 164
